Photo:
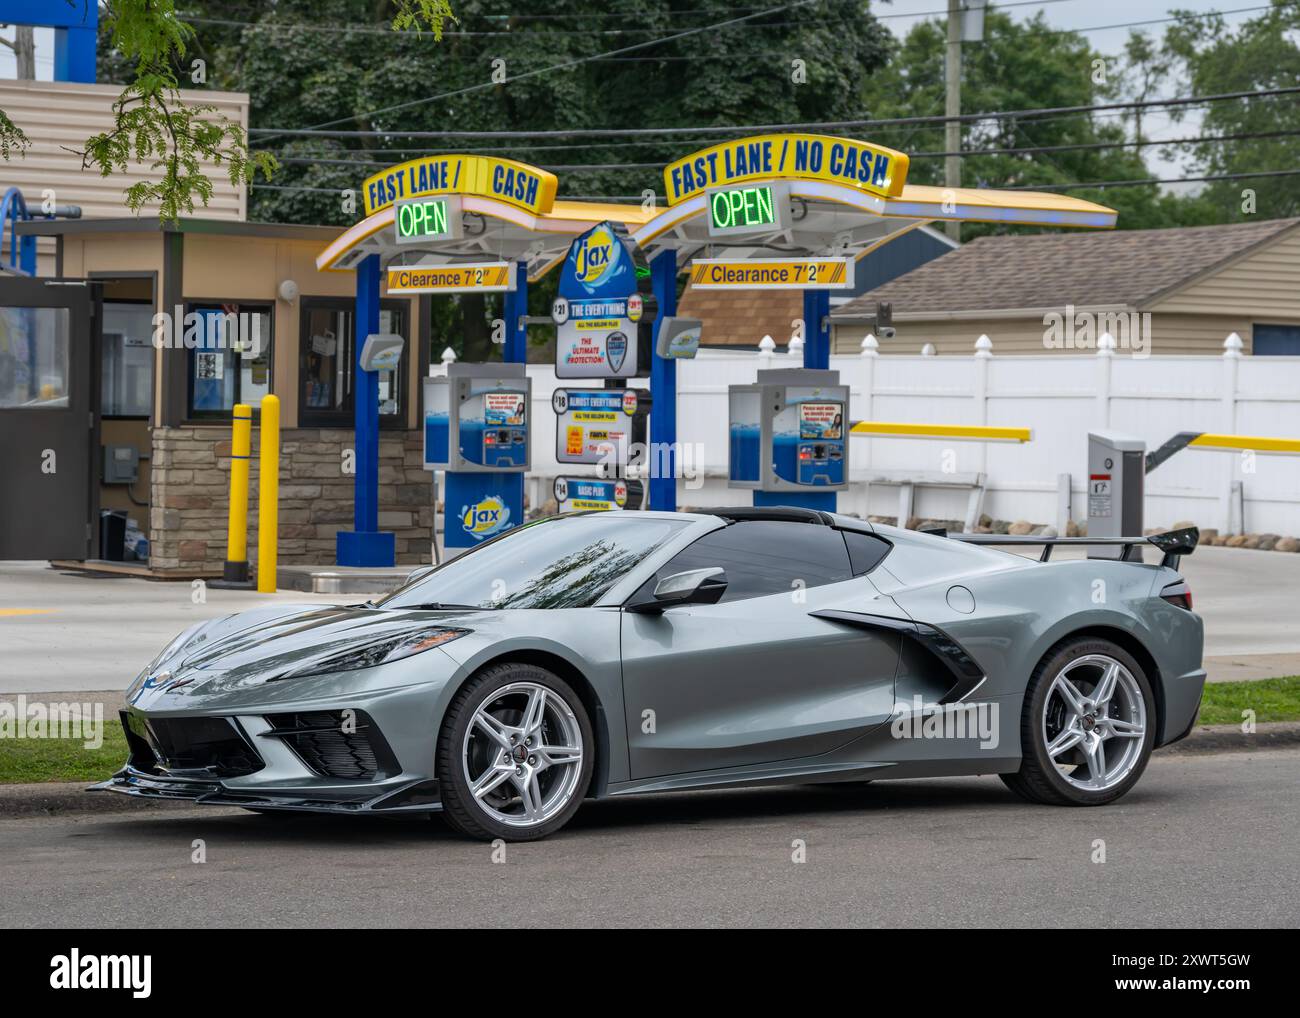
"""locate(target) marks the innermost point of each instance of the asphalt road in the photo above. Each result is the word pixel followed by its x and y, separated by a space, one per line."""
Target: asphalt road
pixel 1204 841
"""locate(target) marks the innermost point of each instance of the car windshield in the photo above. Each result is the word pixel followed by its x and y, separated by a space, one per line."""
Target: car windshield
pixel 562 562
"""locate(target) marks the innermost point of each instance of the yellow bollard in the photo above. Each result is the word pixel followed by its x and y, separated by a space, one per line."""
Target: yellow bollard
pixel 236 567
pixel 268 495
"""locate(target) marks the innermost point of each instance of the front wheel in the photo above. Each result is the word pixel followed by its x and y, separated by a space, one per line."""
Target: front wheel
pixel 1087 728
pixel 515 754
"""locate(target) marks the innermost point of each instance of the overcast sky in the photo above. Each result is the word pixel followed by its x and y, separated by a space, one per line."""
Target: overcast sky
pixel 900 15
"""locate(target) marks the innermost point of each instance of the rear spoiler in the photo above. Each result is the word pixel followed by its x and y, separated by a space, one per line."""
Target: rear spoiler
pixel 1174 543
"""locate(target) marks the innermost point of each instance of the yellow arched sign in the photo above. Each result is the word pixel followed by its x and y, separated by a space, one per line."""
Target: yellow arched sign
pixel 857 164
pixel 518 184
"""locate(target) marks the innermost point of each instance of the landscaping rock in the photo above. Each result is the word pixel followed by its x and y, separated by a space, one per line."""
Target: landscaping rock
pixel 1001 526
pixel 1020 528
pixel 1287 544
pixel 1267 541
pixel 1182 525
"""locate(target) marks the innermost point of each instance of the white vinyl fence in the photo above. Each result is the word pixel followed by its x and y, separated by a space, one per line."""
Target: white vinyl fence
pixel 1061 397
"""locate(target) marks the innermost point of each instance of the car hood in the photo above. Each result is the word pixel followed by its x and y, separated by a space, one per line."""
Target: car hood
pixel 258 647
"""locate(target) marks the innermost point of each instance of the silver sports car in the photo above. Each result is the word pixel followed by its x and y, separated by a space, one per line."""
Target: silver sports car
pixel 603 654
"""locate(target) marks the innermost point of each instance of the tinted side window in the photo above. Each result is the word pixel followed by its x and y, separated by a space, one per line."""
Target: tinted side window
pixel 764 557
pixel 865 551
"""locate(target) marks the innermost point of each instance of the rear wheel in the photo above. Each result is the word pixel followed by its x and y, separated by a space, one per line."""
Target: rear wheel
pixel 1087 728
pixel 515 754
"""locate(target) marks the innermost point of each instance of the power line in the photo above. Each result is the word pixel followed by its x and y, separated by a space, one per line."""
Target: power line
pixel 359 29
pixel 413 150
pixel 1031 113
pixel 1021 151
pixel 1209 178
pixel 1077 186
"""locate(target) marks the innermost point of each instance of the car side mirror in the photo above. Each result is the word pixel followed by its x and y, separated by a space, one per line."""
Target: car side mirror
pixel 694 586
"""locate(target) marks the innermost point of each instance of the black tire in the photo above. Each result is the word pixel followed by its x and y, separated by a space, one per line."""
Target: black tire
pixel 460 808
pixel 1039 779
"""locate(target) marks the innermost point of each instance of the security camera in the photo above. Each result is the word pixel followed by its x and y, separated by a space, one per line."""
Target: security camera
pixel 887 332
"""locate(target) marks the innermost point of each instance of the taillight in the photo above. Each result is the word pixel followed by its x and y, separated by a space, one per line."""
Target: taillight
pixel 1178 593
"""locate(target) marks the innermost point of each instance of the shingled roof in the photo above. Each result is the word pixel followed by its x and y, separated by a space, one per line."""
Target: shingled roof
pixel 1120 267
pixel 742 317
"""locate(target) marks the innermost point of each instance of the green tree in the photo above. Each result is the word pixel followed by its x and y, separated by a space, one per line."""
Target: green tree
pixel 1019 65
pixel 324 62
pixel 1261 53
pixel 152 126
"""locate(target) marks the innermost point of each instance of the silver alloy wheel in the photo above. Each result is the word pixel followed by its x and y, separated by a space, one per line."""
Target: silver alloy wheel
pixel 1094 722
pixel 522 754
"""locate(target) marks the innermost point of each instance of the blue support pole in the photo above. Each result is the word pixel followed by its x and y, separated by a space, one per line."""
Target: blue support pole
pixel 75 27
pixel 816 329
pixel 663 390
pixel 516 306
pixel 74 53
pixel 516 352
pixel 365 544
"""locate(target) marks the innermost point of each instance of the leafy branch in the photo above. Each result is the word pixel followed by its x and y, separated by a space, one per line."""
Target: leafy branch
pixel 152 124
pixel 417 14
pixel 12 138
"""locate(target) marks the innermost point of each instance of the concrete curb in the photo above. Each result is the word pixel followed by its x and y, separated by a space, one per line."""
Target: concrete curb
pixel 50 798
pixel 1231 739
pixel 57 797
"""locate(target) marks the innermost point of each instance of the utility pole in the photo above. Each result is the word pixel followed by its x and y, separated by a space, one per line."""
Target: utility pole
pixel 24 49
pixel 952 109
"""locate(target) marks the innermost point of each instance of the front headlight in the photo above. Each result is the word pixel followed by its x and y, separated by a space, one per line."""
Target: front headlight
pixel 177 644
pixel 378 652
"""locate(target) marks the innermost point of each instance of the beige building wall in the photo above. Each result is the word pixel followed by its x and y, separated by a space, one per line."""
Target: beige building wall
pixel 1009 335
pixel 60 115
pixel 1171 334
pixel 1263 286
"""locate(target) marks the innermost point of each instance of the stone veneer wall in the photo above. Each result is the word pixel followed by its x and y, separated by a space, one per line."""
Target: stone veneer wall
pixel 191 497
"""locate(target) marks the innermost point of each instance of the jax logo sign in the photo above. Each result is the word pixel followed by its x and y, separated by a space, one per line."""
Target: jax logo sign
pixel 593 256
pixel 485 518
pixel 598 265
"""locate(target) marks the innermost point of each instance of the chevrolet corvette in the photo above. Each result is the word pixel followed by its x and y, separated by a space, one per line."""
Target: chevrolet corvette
pixel 608 654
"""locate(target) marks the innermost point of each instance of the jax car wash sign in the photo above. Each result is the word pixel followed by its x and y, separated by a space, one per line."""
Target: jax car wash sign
pixel 518 184
pixel 597 309
pixel 869 168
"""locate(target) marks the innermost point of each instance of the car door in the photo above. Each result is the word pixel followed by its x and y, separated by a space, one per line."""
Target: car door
pixel 756 678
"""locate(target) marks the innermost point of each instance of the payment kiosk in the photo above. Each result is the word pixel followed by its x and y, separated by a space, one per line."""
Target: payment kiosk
pixel 476 429
pixel 789 437
pixel 1116 479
